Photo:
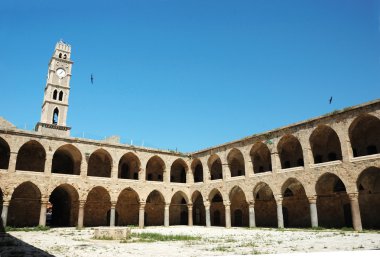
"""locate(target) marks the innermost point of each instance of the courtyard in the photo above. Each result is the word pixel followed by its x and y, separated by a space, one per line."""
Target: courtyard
pixel 197 241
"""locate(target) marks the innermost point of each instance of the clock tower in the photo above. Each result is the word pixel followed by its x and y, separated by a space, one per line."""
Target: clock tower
pixel 56 96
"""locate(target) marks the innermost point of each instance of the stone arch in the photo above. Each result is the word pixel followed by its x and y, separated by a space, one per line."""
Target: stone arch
pixel 127 206
pixel 235 161
pixel 154 209
pixel 197 169
pixel 155 169
pixel 199 211
pixel 368 184
pixel 97 207
pixel 178 171
pixel 129 166
pixel 290 152
pixel 364 135
pixel 333 205
pixel 215 166
pixel 100 164
pixel 295 204
pixel 25 205
pixel 239 208
pixel 67 160
pixel 261 158
pixel 178 211
pixel 64 201
pixel 31 157
pixel 325 144
pixel 265 206
pixel 5 153
pixel 217 210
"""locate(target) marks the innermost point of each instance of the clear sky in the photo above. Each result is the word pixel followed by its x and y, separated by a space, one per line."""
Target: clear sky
pixel 190 74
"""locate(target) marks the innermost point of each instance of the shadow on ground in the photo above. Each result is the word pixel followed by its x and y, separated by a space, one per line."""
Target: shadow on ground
pixel 14 247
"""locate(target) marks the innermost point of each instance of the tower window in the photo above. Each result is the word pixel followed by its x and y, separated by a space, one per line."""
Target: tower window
pixel 55 95
pixel 64 56
pixel 55 116
pixel 60 55
pixel 60 96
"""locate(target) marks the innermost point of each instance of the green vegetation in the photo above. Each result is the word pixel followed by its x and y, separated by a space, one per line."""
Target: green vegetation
pixel 27 229
pixel 155 237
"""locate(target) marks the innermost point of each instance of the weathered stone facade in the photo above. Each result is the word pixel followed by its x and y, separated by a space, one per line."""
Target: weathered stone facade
pixel 321 172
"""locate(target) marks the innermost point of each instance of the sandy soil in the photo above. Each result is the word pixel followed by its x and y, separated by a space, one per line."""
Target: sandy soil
pixel 214 242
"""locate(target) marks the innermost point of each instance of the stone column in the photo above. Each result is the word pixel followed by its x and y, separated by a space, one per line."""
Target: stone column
pixel 142 174
pixel 227 207
pixel 190 213
pixel 141 214
pixel 166 215
pixel 84 167
pixel 189 176
pixel 81 213
pixel 12 162
pixel 252 220
pixel 355 210
pixel 280 217
pixel 207 211
pixel 44 202
pixel 313 211
pixel 48 163
pixel 4 213
pixel 113 213
pixel 166 175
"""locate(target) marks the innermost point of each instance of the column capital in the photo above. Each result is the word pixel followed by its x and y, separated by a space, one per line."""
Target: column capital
pixel 353 196
pixel 278 199
pixel 82 203
pixel 312 199
pixel 227 204
pixel 207 204
pixel 44 200
pixel 6 202
pixel 167 205
pixel 190 205
pixel 113 204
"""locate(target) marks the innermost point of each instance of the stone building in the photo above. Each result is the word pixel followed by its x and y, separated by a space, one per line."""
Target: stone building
pixel 321 172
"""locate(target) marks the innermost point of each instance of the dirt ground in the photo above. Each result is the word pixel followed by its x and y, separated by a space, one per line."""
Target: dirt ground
pixel 213 241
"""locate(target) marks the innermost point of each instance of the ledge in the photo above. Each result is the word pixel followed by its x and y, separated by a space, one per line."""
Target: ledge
pixel 260 174
pixel 29 172
pixel 365 158
pixel 242 177
pixel 323 164
pixel 291 169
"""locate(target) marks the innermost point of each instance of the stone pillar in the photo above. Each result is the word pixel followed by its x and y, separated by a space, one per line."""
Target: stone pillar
pixel 112 213
pixel 189 176
pixel 313 211
pixel 190 213
pixel 280 217
pixel 84 167
pixel 206 173
pixel 4 213
pixel 44 202
pixel 248 165
pixel 166 215
pixel 276 162
pixel 166 175
pixel 141 214
pixel 142 174
pixel 207 211
pixel 48 163
pixel 227 206
pixel 81 213
pixel 252 220
pixel 12 162
pixel 114 171
pixel 355 210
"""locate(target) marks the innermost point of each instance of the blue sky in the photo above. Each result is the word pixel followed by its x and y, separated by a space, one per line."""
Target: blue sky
pixel 190 74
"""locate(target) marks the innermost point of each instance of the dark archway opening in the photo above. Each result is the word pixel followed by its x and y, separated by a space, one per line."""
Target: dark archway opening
pixel 155 169
pixel 325 145
pixel 67 160
pixel 129 167
pixel 217 210
pixel 215 165
pixel 290 152
pixel 5 153
pixel 239 206
pixel 99 164
pixel 235 161
pixel 197 171
pixel 265 206
pixel 97 205
pixel 31 157
pixel 199 216
pixel 261 158
pixel 154 209
pixel 178 171
pixel 178 211
pixel 65 206
pixel 127 207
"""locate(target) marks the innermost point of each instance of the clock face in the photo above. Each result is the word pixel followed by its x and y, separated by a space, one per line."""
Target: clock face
pixel 60 72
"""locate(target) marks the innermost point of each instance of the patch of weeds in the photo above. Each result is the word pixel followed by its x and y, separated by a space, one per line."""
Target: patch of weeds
pixel 27 229
pixel 222 248
pixel 279 242
pixel 156 237
pixel 230 240
pixel 248 244
pixel 103 238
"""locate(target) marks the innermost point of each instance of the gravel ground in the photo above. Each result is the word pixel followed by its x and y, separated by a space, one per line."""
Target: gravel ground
pixel 214 242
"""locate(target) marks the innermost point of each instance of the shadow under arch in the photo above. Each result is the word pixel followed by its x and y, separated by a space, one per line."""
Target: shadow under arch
pixel 239 208
pixel 127 207
pixel 25 205
pixel 178 211
pixel 65 206
pixel 97 207
pixel 333 205
pixel 217 210
pixel 154 209
pixel 265 206
pixel 368 184
pixel 199 211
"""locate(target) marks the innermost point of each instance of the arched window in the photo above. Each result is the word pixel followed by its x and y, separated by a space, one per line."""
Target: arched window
pixel 60 96
pixel 55 95
pixel 55 116
pixel 64 56
pixel 60 55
